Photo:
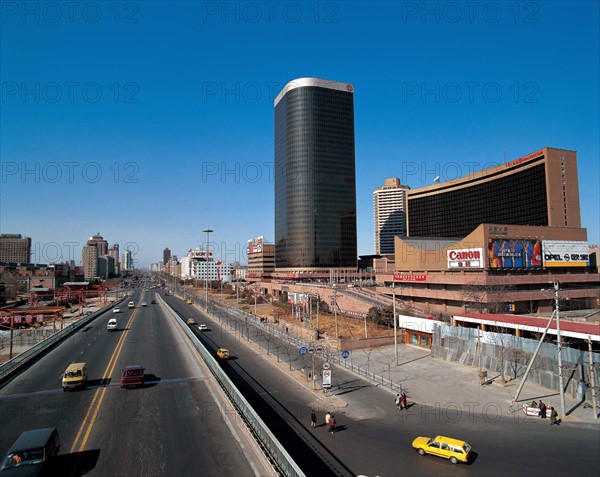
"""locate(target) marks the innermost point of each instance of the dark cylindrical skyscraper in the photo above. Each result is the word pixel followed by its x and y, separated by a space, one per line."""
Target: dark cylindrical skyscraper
pixel 315 177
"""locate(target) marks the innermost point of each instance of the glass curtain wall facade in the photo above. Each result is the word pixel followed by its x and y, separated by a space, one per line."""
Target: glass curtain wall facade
pixel 315 178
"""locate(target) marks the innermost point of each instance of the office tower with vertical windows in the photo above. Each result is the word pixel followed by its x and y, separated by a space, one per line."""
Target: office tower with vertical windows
pixel 389 204
pixel 315 177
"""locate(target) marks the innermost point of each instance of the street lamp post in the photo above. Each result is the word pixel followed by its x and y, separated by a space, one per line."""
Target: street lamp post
pixel 207 231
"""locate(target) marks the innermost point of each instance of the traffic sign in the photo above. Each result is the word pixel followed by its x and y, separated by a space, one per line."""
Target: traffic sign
pixel 326 378
pixel 303 351
pixel 319 349
pixel 345 354
pixel 326 365
pixel 311 349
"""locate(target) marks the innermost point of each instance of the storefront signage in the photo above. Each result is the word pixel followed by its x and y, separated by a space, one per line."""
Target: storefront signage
pixel 409 278
pixel 466 258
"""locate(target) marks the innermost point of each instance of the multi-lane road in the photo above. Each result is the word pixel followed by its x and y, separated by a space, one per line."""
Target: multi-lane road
pixel 174 424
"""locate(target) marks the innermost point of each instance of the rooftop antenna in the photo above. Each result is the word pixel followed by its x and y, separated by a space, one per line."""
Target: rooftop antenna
pixel 436 180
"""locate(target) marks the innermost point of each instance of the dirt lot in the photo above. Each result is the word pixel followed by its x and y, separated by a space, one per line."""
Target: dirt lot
pixel 349 327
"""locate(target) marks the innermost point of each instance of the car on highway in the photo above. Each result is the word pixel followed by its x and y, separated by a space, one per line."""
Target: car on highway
pixel 112 325
pixel 131 304
pixel 441 446
pixel 223 353
pixel 203 327
pixel 153 302
pixel 117 310
pixel 191 321
pixel 31 452
pixel 189 302
pixel 132 376
pixel 144 303
pixel 75 376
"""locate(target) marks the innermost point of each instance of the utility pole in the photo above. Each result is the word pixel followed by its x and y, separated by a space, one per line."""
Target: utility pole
pixel 559 345
pixel 395 321
pixel 207 231
pixel 592 377
pixel 335 313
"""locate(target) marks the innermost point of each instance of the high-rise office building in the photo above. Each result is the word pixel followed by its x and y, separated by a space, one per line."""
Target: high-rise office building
pixel 389 204
pixel 315 177
pixel 166 255
pixel 94 248
pixel 15 248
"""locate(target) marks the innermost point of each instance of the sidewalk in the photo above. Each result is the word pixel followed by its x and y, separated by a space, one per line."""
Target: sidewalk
pixel 433 382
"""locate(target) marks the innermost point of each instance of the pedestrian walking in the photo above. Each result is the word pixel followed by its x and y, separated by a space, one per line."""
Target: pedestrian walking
pixel 542 407
pixel 398 401
pixel 327 418
pixel 553 417
pixel 313 418
pixel 403 401
pixel 332 424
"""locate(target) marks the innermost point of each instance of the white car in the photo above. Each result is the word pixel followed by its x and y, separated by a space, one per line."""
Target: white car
pixel 116 310
pixel 144 303
pixel 112 325
pixel 203 327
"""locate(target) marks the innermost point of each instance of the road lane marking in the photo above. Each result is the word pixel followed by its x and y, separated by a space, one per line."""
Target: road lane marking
pixel 100 392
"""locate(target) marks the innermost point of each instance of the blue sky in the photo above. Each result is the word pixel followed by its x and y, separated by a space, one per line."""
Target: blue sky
pixel 150 121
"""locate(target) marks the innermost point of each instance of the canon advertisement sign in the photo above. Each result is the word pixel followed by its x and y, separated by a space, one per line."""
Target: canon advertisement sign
pixel 565 253
pixel 466 258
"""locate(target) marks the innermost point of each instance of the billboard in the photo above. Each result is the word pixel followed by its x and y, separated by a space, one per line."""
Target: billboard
pixel 565 253
pixel 514 253
pixel 466 258
pixel 298 299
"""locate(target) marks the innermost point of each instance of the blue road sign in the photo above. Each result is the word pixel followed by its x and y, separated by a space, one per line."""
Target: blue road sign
pixel 345 354
pixel 303 350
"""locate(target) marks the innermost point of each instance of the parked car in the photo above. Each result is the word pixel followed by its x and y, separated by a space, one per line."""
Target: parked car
pixel 203 327
pixel 75 376
pixel 30 453
pixel 447 447
pixel 117 310
pixel 132 376
pixel 223 353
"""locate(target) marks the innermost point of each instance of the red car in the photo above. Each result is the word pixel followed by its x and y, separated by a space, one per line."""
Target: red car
pixel 132 376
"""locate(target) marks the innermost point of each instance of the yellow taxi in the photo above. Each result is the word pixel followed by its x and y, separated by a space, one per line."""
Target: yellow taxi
pixel 75 376
pixel 191 321
pixel 447 447
pixel 189 302
pixel 223 353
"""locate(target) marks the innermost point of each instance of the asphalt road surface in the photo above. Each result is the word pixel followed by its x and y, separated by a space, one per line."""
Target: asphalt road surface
pixel 171 426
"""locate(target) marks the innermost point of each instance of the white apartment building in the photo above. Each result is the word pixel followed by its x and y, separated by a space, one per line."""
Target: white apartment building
pixel 389 203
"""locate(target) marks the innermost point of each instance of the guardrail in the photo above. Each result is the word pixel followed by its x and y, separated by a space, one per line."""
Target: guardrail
pixel 333 357
pixel 13 365
pixel 273 448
